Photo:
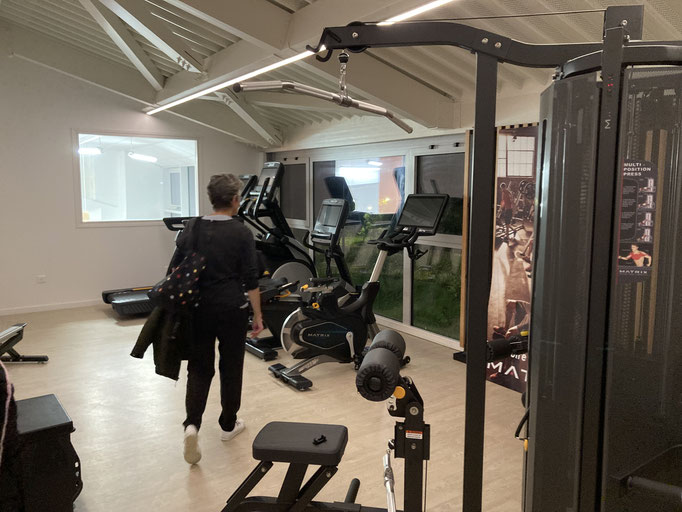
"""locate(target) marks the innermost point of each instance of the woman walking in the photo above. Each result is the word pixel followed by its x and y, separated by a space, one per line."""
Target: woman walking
pixel 223 312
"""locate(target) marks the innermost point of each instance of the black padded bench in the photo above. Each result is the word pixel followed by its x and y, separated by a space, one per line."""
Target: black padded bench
pixel 8 339
pixel 50 467
pixel 299 445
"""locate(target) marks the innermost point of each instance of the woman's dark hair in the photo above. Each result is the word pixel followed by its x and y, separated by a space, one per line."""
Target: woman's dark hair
pixel 221 190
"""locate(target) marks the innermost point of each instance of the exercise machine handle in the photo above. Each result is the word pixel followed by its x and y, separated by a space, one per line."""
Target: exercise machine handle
pixel 389 482
pixel 667 492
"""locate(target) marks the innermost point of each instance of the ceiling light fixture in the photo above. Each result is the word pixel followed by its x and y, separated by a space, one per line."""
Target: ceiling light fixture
pixel 233 81
pixel 89 151
pixel 375 163
pixel 143 158
pixel 290 60
pixel 414 12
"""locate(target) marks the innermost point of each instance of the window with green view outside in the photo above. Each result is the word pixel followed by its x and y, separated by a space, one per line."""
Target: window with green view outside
pixel 436 290
pixel 444 174
pixel 436 282
pixel 377 186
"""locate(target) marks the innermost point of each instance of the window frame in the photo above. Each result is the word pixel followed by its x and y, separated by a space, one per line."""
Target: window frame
pixel 501 132
pixel 76 132
pixel 409 149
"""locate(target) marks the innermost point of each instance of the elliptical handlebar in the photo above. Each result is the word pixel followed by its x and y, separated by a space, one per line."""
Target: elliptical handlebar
pixel 245 193
pixel 259 203
pixel 306 243
pixel 176 223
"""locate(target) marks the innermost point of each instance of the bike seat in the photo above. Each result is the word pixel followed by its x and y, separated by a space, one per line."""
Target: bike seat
pixel 301 443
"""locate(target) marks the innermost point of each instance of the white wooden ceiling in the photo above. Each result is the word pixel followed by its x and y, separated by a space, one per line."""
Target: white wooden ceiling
pixel 132 47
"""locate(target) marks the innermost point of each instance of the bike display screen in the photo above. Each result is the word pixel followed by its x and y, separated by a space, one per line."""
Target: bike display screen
pixel 422 211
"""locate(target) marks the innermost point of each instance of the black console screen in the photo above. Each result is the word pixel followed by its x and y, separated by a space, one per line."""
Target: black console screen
pixel 329 216
pixel 422 211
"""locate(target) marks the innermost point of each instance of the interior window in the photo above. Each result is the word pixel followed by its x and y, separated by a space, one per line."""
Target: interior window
pixel 136 178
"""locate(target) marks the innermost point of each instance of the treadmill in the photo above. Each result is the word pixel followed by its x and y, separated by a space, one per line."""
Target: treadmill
pixel 135 301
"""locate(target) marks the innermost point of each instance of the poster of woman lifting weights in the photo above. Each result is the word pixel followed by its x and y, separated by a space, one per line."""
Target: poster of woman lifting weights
pixel 510 293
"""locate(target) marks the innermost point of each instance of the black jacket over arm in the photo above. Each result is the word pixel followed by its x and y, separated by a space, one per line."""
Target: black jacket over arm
pixel 231 268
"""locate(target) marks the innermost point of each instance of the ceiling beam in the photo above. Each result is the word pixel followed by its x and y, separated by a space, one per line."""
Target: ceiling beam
pixel 260 27
pixel 235 60
pixel 257 21
pixel 221 118
pixel 136 14
pixel 124 81
pixel 249 115
pixel 307 24
pixel 120 35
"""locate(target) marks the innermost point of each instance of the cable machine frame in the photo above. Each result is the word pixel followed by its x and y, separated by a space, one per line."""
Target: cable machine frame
pixel 621 46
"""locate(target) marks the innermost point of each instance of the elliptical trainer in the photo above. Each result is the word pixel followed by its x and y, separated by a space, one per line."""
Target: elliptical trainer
pixel 283 255
pixel 327 332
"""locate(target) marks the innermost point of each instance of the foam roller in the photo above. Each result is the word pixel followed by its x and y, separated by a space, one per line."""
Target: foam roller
pixel 390 340
pixel 378 375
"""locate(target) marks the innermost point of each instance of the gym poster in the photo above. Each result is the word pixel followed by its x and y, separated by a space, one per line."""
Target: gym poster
pixel 637 219
pixel 509 305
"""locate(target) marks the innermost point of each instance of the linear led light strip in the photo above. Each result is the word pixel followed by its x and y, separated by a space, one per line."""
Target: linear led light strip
pixel 290 60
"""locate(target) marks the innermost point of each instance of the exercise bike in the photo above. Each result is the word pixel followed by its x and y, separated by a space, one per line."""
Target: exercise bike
pixel 280 295
pixel 304 444
pixel 326 331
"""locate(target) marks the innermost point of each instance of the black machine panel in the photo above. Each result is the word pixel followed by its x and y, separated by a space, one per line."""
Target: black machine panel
pixel 271 178
pixel 561 282
pixel 640 452
pixel 330 220
pixel 422 211
pixel 643 405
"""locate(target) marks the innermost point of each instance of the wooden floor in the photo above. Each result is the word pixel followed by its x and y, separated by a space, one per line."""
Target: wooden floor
pixel 129 434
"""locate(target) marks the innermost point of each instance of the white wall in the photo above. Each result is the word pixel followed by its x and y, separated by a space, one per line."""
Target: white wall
pixel 39 109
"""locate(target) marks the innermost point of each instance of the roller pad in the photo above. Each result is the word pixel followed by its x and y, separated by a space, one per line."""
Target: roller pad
pixel 390 340
pixel 378 375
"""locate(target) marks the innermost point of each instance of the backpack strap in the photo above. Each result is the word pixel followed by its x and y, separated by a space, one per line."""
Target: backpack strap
pixel 194 230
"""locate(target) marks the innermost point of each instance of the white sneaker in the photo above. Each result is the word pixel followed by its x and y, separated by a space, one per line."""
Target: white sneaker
pixel 192 452
pixel 239 426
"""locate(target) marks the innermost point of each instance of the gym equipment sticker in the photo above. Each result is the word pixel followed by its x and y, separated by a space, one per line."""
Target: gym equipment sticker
pixel 637 217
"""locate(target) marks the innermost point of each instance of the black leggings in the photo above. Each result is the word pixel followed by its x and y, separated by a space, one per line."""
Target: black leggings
pixel 230 327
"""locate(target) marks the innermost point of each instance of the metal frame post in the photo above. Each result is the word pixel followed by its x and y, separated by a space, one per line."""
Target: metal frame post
pixel 600 278
pixel 480 263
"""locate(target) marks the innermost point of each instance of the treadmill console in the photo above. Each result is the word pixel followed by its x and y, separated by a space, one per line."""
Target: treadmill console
pixel 330 221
